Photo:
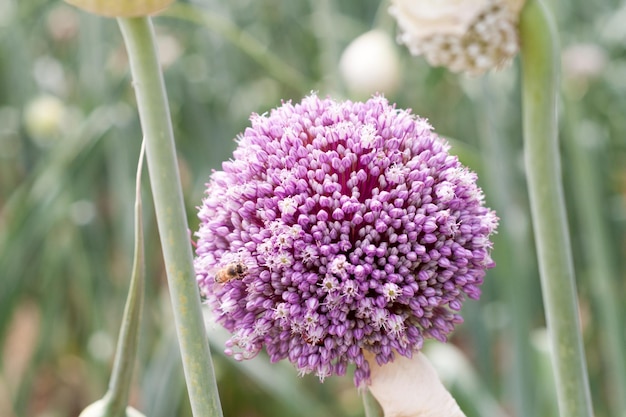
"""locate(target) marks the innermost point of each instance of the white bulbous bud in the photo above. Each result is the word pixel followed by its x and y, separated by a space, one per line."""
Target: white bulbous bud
pixel 103 408
pixel 370 64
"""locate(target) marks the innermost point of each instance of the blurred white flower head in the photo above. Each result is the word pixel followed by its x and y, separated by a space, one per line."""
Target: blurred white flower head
pixel 170 49
pixel 62 23
pixel 45 118
pixel 370 64
pixel 584 61
pixel 471 36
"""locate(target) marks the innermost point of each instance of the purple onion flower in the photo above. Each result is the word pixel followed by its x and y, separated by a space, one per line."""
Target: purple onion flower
pixel 358 232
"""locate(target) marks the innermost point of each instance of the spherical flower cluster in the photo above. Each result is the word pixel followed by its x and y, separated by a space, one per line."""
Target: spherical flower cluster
pixel 353 230
pixel 471 36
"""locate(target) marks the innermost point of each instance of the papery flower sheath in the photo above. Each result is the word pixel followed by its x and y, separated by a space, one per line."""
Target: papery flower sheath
pixel 471 36
pixel 358 232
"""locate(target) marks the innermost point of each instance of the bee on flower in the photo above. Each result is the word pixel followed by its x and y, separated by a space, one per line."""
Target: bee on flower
pixel 235 270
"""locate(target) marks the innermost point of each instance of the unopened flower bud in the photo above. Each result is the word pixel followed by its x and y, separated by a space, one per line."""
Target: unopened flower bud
pixel 102 408
pixel 370 64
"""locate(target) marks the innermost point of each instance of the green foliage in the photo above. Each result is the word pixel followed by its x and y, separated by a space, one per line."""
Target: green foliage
pixel 69 142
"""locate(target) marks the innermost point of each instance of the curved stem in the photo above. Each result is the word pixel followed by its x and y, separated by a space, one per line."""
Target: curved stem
pixel 170 212
pixel 539 97
pixel 122 373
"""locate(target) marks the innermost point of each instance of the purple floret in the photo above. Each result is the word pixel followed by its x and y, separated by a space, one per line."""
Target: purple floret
pixel 359 231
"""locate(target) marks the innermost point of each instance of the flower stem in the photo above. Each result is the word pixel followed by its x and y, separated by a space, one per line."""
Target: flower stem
pixel 500 181
pixel 539 97
pixel 410 387
pixel 581 145
pixel 170 212
pixel 370 406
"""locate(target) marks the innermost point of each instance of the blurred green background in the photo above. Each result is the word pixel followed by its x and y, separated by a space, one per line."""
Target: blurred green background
pixel 70 137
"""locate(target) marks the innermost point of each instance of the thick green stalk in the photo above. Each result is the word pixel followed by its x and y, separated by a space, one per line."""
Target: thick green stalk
pixel 539 99
pixel 170 212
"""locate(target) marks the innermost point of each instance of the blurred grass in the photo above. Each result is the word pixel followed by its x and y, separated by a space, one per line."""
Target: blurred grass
pixel 66 190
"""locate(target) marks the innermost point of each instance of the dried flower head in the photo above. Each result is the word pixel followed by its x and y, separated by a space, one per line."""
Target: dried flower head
pixel 358 229
pixel 470 36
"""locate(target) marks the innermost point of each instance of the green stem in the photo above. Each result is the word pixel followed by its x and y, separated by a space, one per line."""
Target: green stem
pixel 501 184
pixel 539 97
pixel 122 373
pixel 170 212
pixel 600 266
pixel 370 406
